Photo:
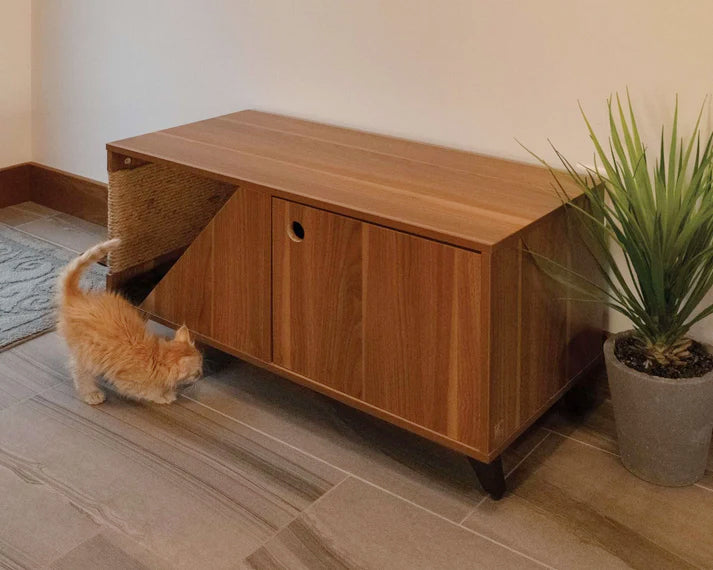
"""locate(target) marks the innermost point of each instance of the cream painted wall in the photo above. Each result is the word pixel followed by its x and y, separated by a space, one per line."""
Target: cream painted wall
pixel 472 74
pixel 15 121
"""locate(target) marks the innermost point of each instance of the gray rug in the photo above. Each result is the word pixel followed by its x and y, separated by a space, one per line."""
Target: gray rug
pixel 28 270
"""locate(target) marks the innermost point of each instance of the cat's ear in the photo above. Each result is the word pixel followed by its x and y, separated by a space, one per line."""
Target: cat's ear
pixel 182 335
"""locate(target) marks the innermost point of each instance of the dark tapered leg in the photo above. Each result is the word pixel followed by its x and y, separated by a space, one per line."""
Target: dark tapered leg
pixel 580 398
pixel 491 476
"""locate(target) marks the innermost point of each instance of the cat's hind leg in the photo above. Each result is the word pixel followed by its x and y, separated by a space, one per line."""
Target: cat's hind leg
pixel 86 385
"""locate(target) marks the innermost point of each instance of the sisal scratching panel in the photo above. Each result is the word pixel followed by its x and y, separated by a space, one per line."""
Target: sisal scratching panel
pixel 158 208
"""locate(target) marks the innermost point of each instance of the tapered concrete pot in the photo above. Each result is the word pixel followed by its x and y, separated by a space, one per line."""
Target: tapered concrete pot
pixel 664 425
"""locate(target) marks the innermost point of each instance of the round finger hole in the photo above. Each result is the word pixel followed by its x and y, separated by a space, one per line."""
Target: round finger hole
pixel 297 232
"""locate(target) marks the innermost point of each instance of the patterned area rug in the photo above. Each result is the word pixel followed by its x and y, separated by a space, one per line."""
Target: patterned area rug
pixel 28 270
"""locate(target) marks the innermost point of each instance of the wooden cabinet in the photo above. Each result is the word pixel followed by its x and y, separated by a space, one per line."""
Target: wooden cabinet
pixel 393 276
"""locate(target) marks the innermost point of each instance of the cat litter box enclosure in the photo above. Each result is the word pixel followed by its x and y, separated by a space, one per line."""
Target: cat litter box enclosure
pixel 390 275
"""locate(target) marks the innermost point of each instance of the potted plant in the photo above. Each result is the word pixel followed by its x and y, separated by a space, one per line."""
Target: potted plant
pixel 660 215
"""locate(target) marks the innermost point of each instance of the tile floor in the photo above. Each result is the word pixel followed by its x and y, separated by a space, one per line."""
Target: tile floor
pixel 60 229
pixel 247 470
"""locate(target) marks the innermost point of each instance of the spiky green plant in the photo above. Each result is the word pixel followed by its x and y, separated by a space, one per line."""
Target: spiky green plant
pixel 661 216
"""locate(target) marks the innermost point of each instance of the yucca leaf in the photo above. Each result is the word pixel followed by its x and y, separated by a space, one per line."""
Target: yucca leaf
pixel 661 217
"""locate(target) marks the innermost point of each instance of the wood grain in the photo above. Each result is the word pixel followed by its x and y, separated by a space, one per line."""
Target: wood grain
pixel 317 296
pixel 230 259
pixel 69 193
pixel 412 294
pixel 15 184
pixel 472 202
pixel 541 339
pixel 422 333
pixel 543 317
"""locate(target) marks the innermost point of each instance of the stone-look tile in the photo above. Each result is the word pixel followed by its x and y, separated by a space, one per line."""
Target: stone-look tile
pixel 410 466
pixel 37 525
pixel 68 231
pixel 191 486
pixel 575 506
pixel 359 526
pixel 598 428
pixel 37 209
pixel 14 216
pixel 595 427
pixel 30 368
pixel 109 551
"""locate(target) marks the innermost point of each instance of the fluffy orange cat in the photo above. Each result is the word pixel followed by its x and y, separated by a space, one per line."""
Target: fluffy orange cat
pixel 107 337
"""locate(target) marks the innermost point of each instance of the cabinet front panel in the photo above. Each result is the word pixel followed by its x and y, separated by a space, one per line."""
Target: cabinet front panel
pixel 317 295
pixel 422 333
pixel 220 286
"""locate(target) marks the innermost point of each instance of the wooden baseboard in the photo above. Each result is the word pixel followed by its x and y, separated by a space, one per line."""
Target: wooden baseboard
pixel 69 193
pixel 57 189
pixel 15 184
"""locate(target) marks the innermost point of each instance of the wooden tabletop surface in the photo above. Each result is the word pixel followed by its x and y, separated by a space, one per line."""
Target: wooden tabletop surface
pixel 457 197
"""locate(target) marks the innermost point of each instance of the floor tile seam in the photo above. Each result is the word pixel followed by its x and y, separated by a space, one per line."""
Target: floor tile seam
pixel 455 524
pixel 569 437
pixel 367 482
pixel 69 249
pixel 38 218
pixel 298 515
pixel 28 398
pixel 475 508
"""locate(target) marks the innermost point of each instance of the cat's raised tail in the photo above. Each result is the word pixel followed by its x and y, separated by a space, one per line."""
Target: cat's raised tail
pixel 68 282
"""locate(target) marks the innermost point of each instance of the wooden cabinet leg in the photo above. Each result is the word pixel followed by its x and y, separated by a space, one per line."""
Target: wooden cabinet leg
pixel 490 476
pixel 580 398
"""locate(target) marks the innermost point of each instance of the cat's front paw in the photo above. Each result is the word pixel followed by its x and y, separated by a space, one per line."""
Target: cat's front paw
pixel 164 398
pixel 94 398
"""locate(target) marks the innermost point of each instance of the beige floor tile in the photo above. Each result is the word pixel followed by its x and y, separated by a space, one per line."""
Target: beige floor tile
pixel 191 486
pixel 359 526
pixel 37 525
pixel 598 428
pixel 68 231
pixel 14 216
pixel 410 466
pixel 30 368
pixel 109 551
pixel 38 209
pixel 575 506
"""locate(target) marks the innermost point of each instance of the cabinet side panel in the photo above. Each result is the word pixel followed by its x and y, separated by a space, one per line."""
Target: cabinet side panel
pixel 587 320
pixel 422 333
pixel 317 296
pixel 505 309
pixel 540 339
pixel 544 342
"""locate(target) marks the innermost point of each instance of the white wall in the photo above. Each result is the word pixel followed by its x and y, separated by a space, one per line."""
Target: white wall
pixel 15 129
pixel 472 74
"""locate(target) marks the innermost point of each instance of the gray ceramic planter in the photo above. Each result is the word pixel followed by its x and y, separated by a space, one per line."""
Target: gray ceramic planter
pixel 664 425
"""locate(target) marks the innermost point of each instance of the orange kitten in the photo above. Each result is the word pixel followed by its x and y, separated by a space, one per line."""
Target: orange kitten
pixel 107 337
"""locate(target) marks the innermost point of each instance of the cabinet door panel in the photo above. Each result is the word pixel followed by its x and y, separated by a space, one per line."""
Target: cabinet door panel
pixel 422 333
pixel 317 293
pixel 220 287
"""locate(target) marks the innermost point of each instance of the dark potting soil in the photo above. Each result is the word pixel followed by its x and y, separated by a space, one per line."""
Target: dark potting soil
pixel 628 350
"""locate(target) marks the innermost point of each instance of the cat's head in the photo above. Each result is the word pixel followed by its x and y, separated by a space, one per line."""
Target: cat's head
pixel 188 361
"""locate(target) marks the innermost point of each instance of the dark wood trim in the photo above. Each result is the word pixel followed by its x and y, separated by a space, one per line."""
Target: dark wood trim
pixel 15 184
pixel 68 193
